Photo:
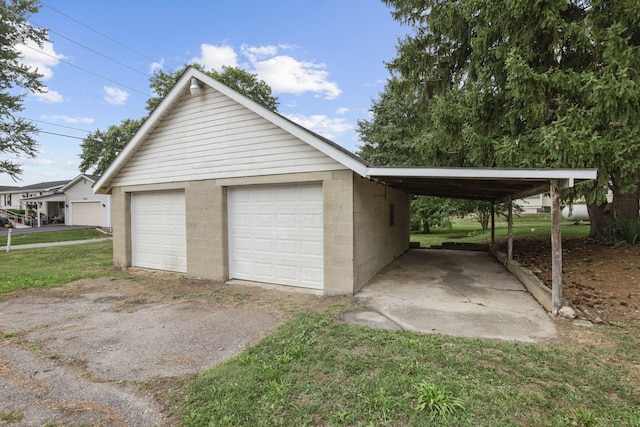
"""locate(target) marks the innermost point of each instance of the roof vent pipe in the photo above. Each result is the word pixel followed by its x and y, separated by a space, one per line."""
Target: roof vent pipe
pixel 195 87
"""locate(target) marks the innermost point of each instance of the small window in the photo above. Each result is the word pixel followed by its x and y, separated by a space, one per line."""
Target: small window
pixel 392 216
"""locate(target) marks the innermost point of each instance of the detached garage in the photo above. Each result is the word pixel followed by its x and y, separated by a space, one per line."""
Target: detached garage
pixel 216 186
pixel 82 206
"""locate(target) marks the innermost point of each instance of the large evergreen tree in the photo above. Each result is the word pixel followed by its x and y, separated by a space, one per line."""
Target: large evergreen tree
pixel 525 84
pixel 16 81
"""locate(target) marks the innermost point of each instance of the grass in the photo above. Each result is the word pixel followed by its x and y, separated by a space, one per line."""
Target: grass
pixel 467 230
pixel 53 236
pixel 54 266
pixel 315 370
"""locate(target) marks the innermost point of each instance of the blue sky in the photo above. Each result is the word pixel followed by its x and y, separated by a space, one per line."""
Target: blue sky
pixel 324 59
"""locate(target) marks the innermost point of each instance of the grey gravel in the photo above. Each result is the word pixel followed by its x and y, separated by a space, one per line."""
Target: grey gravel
pixel 80 355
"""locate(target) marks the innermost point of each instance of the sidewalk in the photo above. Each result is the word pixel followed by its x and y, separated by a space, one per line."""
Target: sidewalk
pixel 44 245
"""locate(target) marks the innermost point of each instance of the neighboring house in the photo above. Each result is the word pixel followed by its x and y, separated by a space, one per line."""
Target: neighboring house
pixel 59 202
pixel 42 200
pixel 216 186
pixel 535 204
pixel 6 196
pixel 82 206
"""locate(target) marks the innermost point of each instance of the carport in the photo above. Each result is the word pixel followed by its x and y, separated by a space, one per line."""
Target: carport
pixel 495 185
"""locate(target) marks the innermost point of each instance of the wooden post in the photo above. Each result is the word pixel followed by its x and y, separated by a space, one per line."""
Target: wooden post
pixel 510 225
pixel 556 250
pixel 493 223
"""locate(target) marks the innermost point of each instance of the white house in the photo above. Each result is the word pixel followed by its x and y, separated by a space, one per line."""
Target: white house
pixel 82 206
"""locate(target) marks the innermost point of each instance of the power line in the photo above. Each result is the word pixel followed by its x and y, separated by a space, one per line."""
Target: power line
pixel 60 134
pixel 55 124
pixel 101 34
pixel 96 52
pixel 88 71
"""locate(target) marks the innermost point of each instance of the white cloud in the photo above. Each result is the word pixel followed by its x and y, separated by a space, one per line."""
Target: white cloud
pixel 214 57
pixel 39 162
pixel 68 119
pixel 255 53
pixel 342 110
pixel 286 74
pixel 325 126
pixel 49 96
pixel 115 96
pixel 155 66
pixel 43 59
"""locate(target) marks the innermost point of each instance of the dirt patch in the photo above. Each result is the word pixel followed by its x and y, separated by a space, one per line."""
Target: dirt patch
pixel 601 281
pixel 113 352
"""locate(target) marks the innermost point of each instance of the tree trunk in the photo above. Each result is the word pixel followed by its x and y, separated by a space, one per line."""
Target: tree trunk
pixel 599 220
pixel 626 205
pixel 599 217
pixel 425 227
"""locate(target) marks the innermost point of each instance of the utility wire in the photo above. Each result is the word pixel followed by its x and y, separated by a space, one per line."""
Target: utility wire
pixel 60 134
pixel 101 34
pixel 55 124
pixel 95 51
pixel 89 71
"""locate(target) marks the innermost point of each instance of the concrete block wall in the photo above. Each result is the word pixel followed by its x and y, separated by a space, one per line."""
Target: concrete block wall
pixel 121 220
pixel 338 233
pixel 378 241
pixel 358 240
pixel 207 237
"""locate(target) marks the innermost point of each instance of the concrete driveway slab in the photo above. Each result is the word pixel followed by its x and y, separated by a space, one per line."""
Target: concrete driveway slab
pixel 468 294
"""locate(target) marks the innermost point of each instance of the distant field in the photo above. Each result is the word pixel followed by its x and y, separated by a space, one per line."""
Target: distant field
pixel 468 230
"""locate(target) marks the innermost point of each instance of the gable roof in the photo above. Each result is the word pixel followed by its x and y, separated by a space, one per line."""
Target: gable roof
pixel 327 147
pixel 472 183
pixel 74 181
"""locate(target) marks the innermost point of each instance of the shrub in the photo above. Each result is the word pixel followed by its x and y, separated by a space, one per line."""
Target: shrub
pixel 625 230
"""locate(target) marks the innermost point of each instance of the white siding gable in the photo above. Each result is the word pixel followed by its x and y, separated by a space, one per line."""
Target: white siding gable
pixel 211 136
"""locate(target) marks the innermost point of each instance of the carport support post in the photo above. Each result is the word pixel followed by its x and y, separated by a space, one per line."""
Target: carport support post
pixel 510 226
pixel 493 224
pixel 556 250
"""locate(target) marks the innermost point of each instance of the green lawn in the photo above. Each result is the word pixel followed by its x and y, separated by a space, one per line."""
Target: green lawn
pixel 53 236
pixel 315 370
pixel 54 266
pixel 467 230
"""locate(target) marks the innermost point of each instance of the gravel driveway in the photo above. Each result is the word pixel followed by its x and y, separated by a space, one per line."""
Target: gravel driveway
pixel 111 352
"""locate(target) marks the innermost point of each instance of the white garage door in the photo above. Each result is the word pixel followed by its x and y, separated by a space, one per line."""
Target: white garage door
pixel 85 213
pixel 275 234
pixel 158 232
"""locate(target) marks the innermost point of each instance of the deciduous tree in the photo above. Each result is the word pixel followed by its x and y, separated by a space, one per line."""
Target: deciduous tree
pixel 16 81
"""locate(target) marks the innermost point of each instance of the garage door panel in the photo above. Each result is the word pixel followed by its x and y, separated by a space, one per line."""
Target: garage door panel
pixel 285 230
pixel 158 230
pixel 85 213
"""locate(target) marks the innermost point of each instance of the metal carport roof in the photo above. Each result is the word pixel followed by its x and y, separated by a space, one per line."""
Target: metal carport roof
pixel 492 184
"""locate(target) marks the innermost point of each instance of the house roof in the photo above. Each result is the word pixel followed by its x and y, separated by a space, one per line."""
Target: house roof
pixel 329 148
pixel 470 183
pixel 41 186
pixel 74 181
pixel 55 197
